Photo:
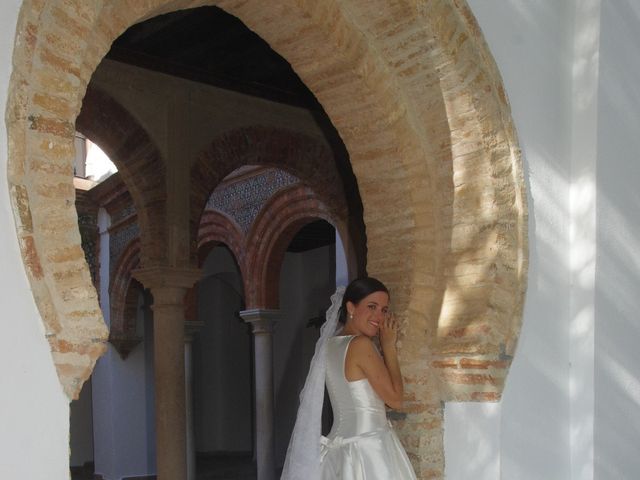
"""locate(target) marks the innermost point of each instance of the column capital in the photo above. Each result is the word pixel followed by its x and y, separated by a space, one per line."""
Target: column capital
pixel 262 320
pixel 167 277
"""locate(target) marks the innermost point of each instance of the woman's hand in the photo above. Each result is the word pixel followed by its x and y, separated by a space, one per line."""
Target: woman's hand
pixel 383 373
pixel 388 332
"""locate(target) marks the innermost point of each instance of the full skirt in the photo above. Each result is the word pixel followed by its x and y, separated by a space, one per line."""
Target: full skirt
pixel 373 456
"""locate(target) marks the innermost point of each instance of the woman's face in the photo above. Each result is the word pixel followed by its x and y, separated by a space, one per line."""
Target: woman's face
pixel 368 314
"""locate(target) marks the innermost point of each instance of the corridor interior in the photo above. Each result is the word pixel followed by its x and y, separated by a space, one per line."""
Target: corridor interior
pixel 293 191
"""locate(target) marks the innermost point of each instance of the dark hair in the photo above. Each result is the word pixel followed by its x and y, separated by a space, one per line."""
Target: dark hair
pixel 357 290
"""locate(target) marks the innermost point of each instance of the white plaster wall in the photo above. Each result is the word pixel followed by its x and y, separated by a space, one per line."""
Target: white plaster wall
pixel 149 386
pixel 120 404
pixel 585 77
pixel 103 429
pixel 526 436
pixel 34 412
pixel 124 443
pixel 617 317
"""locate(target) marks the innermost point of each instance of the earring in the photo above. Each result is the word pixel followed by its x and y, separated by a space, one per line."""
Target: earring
pixel 351 316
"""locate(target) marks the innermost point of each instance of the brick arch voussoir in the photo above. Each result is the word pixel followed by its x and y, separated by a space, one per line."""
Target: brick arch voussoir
pixel 125 340
pixel 270 235
pixel 120 285
pixel 108 124
pixel 306 157
pixel 217 228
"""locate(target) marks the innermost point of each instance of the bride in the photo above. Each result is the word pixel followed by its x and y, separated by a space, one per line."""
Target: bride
pixel 361 445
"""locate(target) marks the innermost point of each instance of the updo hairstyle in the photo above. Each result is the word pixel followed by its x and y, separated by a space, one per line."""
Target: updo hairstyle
pixel 357 290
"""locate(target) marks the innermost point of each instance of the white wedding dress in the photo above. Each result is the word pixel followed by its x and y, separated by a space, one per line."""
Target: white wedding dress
pixel 362 444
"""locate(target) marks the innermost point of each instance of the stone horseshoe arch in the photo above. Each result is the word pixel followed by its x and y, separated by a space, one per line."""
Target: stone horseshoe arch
pixel 270 235
pixel 215 228
pixel 417 99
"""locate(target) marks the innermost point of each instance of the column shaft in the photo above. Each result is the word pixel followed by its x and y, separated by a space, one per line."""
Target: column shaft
pixel 171 430
pixel 262 322
pixel 263 344
pixel 168 286
pixel 191 441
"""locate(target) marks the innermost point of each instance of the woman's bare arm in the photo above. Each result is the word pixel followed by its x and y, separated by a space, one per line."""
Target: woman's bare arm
pixel 383 375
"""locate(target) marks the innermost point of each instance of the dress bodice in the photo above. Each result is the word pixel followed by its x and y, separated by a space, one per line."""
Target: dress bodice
pixel 357 408
pixel 361 445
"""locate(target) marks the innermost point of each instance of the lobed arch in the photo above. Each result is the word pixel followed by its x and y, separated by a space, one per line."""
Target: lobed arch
pixel 418 101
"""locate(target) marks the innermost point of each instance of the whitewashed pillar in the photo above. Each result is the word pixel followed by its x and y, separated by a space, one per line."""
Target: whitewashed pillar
pixel 262 322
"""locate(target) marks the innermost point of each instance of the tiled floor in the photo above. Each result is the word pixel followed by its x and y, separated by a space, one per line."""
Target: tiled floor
pixel 211 468
pixel 226 468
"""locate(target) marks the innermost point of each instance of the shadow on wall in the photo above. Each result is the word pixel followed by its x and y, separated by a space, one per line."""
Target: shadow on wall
pixel 529 437
pixel 617 289
pixel 535 428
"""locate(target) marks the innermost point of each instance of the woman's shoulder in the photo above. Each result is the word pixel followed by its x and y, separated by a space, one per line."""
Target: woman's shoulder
pixel 352 339
pixel 362 343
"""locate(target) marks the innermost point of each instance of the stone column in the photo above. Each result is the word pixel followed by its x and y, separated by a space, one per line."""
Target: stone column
pixel 262 322
pixel 191 327
pixel 168 286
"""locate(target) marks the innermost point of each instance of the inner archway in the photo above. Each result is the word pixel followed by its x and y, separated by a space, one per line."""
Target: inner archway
pixel 223 382
pixel 308 276
pixel 424 117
